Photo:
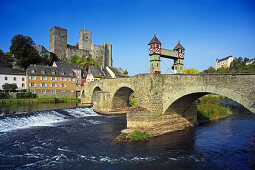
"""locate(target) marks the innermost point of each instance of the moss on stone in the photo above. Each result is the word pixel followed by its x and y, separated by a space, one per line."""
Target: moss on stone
pixel 139 136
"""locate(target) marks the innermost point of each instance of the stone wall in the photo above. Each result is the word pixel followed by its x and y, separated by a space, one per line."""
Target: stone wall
pixel 73 50
pixel 97 53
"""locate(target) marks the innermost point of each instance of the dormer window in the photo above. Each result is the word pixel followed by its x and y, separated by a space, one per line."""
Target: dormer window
pixel 54 72
pixel 32 71
pixel 62 73
pixel 43 72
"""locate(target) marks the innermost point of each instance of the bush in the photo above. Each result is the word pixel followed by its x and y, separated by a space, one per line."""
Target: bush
pixel 139 136
pixel 132 103
pixel 25 95
pixel 4 96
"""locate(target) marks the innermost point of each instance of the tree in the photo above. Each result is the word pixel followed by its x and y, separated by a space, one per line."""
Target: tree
pixel 83 62
pixel 125 72
pixel 210 70
pixel 22 47
pixel 190 71
pixel 48 59
pixel 9 87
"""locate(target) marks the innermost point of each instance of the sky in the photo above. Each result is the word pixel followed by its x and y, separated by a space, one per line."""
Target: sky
pixel 207 29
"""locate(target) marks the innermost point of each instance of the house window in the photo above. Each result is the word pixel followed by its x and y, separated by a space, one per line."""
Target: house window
pixel 53 72
pixel 53 91
pixel 32 77
pixel 63 91
pixel 62 79
pixel 14 78
pixel 43 72
pixel 32 84
pixel 62 73
pixel 5 78
pixel 43 91
pixel 62 85
pixel 23 84
pixel 32 71
pixel 72 91
pixel 43 84
pixel 23 79
pixel 43 78
pixel 32 91
pixel 53 78
pixel 53 85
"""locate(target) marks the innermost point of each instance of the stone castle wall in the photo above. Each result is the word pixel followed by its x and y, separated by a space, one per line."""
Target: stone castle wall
pixel 102 54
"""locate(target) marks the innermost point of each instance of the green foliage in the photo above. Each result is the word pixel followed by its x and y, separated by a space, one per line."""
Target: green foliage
pixel 22 47
pixel 4 96
pixel 209 108
pixel 48 59
pixel 25 95
pixel 132 103
pixel 38 100
pixel 8 59
pixel 151 87
pixel 139 136
pixel 125 72
pixel 163 79
pixel 9 87
pixel 190 71
pixel 83 61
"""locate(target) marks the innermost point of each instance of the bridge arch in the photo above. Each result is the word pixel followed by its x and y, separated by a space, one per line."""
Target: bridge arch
pixel 120 98
pixel 96 96
pixel 182 100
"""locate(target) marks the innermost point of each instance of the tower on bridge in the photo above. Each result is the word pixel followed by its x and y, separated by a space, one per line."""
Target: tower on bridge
pixel 155 52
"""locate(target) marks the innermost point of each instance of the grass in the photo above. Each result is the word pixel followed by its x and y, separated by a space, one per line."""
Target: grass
pixel 39 100
pixel 139 136
pixel 209 108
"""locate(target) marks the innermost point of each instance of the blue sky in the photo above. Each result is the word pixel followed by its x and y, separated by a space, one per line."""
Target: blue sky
pixel 208 29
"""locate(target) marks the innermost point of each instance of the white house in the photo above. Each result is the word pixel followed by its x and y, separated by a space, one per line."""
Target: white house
pixel 10 76
pixel 224 62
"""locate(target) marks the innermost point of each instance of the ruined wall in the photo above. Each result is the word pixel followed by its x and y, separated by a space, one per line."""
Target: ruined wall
pixel 97 53
pixel 73 50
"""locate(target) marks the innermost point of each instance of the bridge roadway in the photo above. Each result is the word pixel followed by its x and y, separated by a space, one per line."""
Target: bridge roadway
pixel 170 100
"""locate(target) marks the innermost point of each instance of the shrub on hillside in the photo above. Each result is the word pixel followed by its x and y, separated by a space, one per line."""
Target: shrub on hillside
pixel 25 95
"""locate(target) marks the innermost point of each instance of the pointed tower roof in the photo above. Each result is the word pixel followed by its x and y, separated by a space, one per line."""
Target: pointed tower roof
pixel 179 46
pixel 154 40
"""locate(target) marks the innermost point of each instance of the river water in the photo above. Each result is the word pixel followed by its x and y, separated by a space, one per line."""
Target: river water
pixel 79 138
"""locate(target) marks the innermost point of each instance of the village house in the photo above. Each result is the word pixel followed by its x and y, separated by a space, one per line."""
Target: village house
pixel 47 81
pixel 97 73
pixel 12 76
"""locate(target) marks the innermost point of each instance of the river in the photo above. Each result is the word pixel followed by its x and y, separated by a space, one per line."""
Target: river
pixel 79 138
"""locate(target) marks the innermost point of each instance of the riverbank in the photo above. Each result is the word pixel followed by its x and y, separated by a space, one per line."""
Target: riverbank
pixel 209 109
pixel 39 100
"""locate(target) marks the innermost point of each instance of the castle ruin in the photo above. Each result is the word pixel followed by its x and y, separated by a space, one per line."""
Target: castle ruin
pixel 102 54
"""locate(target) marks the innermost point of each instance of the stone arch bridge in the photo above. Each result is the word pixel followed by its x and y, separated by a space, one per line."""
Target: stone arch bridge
pixel 170 100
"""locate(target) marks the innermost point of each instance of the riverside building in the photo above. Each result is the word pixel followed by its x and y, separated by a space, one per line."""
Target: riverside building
pixel 12 76
pixel 47 81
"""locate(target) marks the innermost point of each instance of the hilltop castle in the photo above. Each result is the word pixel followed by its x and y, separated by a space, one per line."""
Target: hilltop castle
pixel 102 54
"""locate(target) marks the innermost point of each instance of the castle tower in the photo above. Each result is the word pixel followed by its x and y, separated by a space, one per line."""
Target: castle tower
pixel 108 55
pixel 85 40
pixel 154 52
pixel 58 41
pixel 178 63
